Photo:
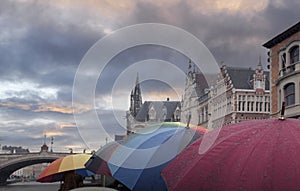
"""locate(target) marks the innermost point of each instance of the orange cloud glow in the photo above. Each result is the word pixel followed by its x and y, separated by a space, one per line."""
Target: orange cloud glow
pixel 43 107
pixel 208 7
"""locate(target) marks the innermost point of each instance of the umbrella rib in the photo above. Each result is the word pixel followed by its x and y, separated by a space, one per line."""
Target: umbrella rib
pixel 193 164
pixel 295 138
pixel 254 147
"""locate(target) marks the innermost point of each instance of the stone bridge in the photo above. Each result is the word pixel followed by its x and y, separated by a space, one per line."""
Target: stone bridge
pixel 9 163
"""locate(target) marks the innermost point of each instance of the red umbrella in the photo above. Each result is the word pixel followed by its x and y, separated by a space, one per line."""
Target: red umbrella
pixel 250 155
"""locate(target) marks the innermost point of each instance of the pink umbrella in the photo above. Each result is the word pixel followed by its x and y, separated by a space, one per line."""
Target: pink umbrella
pixel 251 155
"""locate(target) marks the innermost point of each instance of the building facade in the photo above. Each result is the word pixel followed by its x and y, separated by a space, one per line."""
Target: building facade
pixel 195 107
pixel 239 94
pixel 142 114
pixel 285 71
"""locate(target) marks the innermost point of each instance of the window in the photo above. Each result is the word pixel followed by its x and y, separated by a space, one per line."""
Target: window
pixel 177 114
pixel 283 60
pixel 206 113
pixel 243 106
pixel 152 114
pixel 279 97
pixel 294 54
pixel 258 84
pixel 289 94
pixel 260 106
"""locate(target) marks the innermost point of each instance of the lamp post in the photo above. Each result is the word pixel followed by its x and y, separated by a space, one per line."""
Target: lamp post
pixel 51 145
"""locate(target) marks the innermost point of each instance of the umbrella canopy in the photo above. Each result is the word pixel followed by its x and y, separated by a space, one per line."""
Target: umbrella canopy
pixel 54 172
pixel 98 162
pixel 93 189
pixel 250 155
pixel 137 162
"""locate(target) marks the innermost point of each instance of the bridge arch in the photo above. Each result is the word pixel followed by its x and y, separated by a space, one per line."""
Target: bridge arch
pixel 10 166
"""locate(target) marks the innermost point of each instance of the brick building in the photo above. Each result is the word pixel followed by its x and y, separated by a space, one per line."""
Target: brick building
pixel 285 71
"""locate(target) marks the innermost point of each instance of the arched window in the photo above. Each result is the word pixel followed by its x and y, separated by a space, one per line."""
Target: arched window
pixel 289 94
pixel 294 54
pixel 152 114
pixel 283 60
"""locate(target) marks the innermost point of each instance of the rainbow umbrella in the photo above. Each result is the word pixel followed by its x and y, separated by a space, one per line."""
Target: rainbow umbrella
pixel 98 162
pixel 54 172
pixel 137 162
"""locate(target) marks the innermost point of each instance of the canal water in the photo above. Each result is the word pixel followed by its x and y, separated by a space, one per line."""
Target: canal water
pixel 31 186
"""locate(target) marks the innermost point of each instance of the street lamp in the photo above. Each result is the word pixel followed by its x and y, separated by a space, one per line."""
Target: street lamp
pixel 51 145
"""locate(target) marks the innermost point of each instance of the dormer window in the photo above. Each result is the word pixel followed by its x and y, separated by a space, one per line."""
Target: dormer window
pixel 152 114
pixel 164 110
pixel 258 84
pixel 177 114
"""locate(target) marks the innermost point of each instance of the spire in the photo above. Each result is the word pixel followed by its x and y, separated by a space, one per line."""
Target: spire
pixel 45 136
pixel 259 63
pixel 136 98
pixel 190 63
pixel 189 71
pixel 137 79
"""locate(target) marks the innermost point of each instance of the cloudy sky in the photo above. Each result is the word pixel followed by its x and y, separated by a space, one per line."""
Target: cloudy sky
pixel 43 42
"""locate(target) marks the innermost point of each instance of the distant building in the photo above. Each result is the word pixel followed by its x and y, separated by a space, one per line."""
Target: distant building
pixel 285 71
pixel 195 99
pixel 239 94
pixel 4 151
pixel 44 147
pixel 14 149
pixel 150 112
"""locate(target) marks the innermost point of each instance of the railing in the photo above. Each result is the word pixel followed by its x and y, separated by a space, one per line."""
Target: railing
pixel 290 69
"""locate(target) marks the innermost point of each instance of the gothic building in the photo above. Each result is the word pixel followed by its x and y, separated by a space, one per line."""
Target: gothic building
pixel 142 114
pixel 136 98
pixel 285 71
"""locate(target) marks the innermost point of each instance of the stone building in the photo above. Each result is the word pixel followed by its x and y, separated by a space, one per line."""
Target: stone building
pixel 239 94
pixel 142 114
pixel 285 71
pixel 195 107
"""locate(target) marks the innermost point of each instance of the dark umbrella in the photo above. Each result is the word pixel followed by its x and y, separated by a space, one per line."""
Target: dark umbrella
pixel 137 162
pixel 250 155
pixel 98 162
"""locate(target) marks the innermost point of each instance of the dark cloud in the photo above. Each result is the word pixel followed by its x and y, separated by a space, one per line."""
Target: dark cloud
pixel 44 44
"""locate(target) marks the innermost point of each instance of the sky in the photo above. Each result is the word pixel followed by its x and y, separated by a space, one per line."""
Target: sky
pixel 43 42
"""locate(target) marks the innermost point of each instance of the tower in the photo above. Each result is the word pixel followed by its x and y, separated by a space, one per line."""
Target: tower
pixel 136 98
pixel 44 147
pixel 259 78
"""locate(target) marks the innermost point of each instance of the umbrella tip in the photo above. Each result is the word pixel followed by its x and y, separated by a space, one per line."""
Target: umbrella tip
pixel 281 117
